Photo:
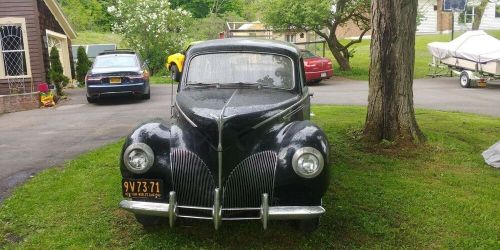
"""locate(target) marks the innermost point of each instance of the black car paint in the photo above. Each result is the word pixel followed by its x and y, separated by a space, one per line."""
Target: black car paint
pixel 258 119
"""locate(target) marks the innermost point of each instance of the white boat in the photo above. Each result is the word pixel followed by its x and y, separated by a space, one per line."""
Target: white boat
pixel 475 55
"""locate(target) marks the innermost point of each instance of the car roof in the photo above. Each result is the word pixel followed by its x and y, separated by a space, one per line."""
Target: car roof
pixel 117 51
pixel 246 44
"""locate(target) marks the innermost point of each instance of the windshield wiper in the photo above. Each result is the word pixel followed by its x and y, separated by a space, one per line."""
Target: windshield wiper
pixel 202 84
pixel 245 84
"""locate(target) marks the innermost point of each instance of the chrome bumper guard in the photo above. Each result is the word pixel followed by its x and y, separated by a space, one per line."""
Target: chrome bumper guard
pixel 267 213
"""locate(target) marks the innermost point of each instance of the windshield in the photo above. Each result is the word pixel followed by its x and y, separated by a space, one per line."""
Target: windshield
pixel 308 54
pixel 115 61
pixel 242 68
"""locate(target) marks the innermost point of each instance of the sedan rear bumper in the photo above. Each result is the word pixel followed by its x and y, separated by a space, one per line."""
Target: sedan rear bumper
pixel 319 75
pixel 119 89
pixel 171 211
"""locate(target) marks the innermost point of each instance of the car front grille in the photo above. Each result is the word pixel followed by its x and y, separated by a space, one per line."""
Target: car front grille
pixel 191 179
pixel 194 183
pixel 253 177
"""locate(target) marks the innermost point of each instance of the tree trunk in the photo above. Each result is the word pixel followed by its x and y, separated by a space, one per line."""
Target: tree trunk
pixel 339 57
pixel 478 15
pixel 391 115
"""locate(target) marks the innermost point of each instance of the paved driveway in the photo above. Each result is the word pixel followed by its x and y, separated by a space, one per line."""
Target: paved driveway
pixel 440 93
pixel 37 139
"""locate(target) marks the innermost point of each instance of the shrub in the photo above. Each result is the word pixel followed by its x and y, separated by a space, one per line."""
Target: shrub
pixel 56 72
pixel 152 28
pixel 82 65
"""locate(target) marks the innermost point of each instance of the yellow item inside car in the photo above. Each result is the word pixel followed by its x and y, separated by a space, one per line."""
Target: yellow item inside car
pixel 175 62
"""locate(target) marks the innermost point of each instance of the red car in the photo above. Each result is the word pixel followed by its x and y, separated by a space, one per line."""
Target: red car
pixel 317 68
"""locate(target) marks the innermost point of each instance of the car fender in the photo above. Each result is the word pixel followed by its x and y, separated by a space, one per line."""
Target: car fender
pixel 290 188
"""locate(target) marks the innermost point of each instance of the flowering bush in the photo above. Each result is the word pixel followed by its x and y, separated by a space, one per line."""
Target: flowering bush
pixel 151 27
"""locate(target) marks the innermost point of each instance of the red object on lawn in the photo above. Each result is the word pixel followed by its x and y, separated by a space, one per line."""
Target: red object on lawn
pixel 43 87
pixel 317 68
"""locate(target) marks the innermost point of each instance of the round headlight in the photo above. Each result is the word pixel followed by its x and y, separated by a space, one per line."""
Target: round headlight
pixel 138 158
pixel 308 162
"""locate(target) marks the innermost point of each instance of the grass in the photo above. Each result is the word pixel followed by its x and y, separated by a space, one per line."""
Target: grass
pixel 440 195
pixel 90 37
pixel 360 63
pixel 160 79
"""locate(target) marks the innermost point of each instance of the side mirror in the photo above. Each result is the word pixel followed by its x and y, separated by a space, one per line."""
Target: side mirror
pixel 177 77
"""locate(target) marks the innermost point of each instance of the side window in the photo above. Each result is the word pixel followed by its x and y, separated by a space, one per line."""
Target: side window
pixel 302 73
pixel 13 52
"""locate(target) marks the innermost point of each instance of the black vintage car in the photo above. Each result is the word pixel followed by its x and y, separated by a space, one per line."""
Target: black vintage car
pixel 240 145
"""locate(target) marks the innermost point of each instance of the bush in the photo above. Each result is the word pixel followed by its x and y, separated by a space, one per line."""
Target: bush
pixel 56 72
pixel 152 28
pixel 82 65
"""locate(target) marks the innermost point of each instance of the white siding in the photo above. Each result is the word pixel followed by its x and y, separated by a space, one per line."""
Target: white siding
pixel 429 23
pixel 489 20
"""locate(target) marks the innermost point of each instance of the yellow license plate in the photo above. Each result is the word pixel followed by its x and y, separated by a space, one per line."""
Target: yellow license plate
pixel 115 80
pixel 142 188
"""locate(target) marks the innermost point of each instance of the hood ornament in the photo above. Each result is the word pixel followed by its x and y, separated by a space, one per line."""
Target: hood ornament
pixel 221 119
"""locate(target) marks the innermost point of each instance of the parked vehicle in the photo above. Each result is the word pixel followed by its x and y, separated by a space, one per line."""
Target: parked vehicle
pixel 240 147
pixel 175 62
pixel 117 72
pixel 317 68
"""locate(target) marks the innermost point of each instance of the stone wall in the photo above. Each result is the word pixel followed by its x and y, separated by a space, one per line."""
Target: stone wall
pixel 19 102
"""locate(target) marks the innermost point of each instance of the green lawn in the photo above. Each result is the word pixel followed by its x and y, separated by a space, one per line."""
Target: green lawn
pixel 91 37
pixel 441 195
pixel 361 61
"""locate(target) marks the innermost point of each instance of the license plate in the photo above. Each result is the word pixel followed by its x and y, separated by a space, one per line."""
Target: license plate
pixel 115 80
pixel 323 74
pixel 142 188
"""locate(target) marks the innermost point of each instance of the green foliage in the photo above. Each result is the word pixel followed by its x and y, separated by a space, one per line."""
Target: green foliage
pixel 299 14
pixel 439 196
pixel 56 72
pixel 321 16
pixel 210 26
pixel 88 14
pixel 203 8
pixel 152 28
pixel 82 65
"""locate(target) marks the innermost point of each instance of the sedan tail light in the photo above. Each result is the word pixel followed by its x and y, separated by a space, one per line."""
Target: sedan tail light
pixel 93 78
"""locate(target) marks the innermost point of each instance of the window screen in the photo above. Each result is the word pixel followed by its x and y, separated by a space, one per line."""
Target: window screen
pixel 12 50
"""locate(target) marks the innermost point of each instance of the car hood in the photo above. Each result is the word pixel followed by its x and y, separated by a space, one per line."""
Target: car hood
pixel 114 70
pixel 240 110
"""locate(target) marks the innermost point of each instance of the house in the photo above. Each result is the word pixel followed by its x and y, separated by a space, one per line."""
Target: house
pixel 490 20
pixel 303 39
pixel 258 30
pixel 435 20
pixel 28 31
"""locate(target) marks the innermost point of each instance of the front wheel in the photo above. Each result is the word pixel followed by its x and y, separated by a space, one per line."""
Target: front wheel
pixel 147 96
pixel 308 225
pixel 150 221
pixel 91 99
pixel 465 80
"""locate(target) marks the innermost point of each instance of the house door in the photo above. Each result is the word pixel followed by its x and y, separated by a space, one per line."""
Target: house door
pixel 60 41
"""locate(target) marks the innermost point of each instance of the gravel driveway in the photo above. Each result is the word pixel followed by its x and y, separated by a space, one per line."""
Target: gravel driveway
pixel 37 139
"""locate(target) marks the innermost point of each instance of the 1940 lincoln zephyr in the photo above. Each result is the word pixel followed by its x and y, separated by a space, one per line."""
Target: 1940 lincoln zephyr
pixel 239 146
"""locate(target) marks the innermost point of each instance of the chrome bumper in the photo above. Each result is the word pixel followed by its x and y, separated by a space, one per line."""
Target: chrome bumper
pixel 267 213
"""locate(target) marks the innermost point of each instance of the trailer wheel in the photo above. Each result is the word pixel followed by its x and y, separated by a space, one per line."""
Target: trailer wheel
pixel 465 80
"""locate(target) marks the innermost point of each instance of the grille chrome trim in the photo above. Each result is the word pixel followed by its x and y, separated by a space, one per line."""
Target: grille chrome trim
pixel 247 182
pixel 188 169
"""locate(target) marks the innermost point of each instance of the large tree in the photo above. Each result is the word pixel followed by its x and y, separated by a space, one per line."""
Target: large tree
pixel 323 17
pixel 478 13
pixel 391 115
